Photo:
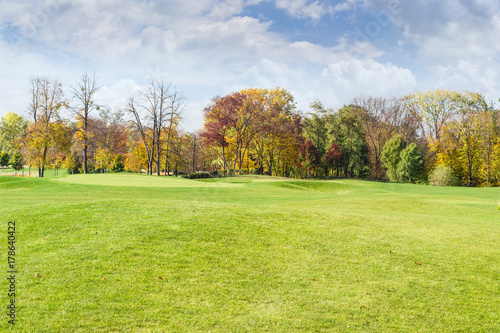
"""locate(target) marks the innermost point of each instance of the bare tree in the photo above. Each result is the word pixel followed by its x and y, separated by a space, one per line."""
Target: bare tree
pixel 155 109
pixel 84 95
pixel 142 130
pixel 176 107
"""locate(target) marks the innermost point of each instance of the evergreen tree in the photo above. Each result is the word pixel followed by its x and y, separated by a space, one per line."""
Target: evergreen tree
pixel 118 165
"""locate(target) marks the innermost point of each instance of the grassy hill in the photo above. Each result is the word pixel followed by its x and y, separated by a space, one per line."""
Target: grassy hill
pixel 135 253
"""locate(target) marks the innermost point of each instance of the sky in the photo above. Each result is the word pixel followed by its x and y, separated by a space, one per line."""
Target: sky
pixel 331 51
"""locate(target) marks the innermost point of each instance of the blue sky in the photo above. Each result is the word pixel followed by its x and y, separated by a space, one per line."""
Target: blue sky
pixel 331 51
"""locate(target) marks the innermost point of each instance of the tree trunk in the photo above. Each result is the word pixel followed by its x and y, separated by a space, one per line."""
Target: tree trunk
pixel 85 170
pixel 194 153
pixel 223 160
pixel 158 157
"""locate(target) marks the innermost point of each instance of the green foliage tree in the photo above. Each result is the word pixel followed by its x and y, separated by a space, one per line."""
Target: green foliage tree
pixel 315 127
pixel 409 168
pixel 391 156
pixel 403 162
pixel 13 126
pixel 118 165
pixel 345 128
pixel 4 159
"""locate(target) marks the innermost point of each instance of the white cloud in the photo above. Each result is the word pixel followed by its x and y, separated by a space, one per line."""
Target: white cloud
pixel 303 8
pixel 118 94
pixel 345 80
pixel 227 8
pixel 449 30
pixel 467 75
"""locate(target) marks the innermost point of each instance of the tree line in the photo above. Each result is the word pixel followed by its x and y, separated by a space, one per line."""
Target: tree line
pixel 440 136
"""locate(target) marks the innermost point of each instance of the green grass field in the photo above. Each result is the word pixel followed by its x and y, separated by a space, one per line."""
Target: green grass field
pixel 136 253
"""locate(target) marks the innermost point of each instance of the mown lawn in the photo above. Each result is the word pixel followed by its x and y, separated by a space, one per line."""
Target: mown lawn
pixel 132 253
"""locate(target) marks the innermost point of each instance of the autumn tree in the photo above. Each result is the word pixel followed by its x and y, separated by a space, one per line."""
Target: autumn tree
pixel 278 131
pixel 309 157
pixel 472 108
pixel 217 124
pixel 460 144
pixel 436 108
pixel 47 130
pixel 490 145
pixel 332 158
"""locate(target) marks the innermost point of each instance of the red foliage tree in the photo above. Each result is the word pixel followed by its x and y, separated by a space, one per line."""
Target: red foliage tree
pixel 219 120
pixel 332 158
pixel 309 157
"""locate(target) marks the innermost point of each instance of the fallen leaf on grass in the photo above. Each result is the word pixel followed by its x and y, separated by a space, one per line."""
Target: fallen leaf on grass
pixel 417 263
pixel 160 278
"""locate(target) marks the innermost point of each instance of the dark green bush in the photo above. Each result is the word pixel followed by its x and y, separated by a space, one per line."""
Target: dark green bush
pixel 118 165
pixel 4 159
pixel 16 162
pixel 197 175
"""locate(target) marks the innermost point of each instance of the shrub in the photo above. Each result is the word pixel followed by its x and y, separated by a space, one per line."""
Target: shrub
pixel 443 176
pixel 197 175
